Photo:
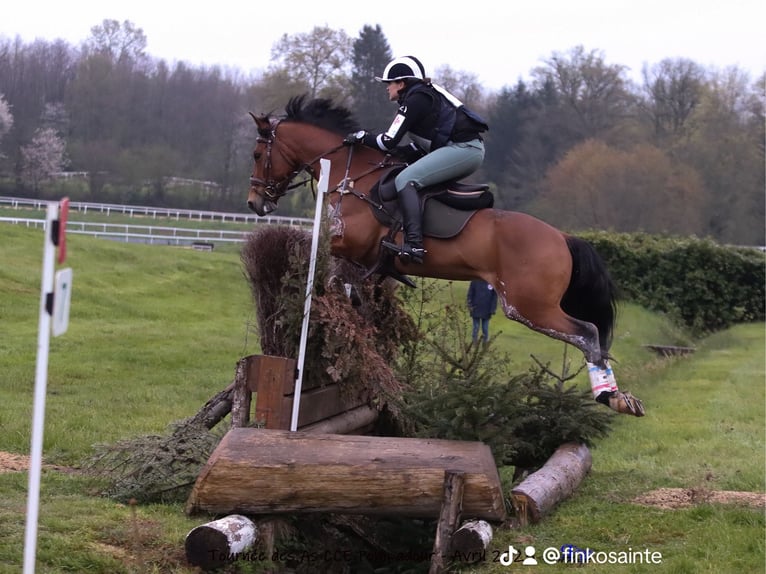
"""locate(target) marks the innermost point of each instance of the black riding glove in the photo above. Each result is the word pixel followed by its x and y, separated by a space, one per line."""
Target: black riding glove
pixel 355 138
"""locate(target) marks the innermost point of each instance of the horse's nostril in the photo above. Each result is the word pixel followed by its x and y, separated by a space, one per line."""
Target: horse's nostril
pixel 251 205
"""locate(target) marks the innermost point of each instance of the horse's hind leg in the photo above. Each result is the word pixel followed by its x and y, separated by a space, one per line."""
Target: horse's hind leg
pixel 605 390
pixel 552 321
pixel 549 319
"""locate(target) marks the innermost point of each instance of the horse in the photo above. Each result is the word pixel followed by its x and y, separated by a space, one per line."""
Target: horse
pixel 551 282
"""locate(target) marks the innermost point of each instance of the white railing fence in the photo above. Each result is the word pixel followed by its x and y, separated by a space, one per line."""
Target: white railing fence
pixel 153 234
pixel 161 212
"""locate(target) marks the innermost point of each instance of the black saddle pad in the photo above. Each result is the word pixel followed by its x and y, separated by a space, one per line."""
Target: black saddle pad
pixel 447 207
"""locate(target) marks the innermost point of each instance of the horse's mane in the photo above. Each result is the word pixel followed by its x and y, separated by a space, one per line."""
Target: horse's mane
pixel 321 112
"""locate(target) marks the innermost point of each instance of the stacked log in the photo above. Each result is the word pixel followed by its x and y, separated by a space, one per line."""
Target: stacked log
pixel 559 477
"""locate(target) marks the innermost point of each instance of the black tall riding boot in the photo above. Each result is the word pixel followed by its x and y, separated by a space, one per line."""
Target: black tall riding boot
pixel 409 203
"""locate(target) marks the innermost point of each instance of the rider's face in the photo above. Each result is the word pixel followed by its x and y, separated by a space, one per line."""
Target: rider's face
pixel 393 89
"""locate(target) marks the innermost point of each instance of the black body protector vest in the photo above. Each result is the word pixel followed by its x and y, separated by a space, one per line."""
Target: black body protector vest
pixel 451 120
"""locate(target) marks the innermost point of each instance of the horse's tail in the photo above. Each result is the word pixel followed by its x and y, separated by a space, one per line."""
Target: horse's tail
pixel 591 295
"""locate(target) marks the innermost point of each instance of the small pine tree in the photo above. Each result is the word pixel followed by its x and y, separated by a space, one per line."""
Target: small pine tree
pixel 463 391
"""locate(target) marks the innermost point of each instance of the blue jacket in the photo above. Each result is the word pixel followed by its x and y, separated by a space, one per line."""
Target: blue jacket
pixel 482 299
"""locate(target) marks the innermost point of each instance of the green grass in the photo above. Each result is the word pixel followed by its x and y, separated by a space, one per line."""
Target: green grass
pixel 155 331
pixel 704 430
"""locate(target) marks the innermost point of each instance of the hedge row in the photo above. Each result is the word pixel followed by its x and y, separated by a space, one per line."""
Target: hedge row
pixel 701 284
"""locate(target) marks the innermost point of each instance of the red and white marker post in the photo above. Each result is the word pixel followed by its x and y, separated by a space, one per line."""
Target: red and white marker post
pixel 54 315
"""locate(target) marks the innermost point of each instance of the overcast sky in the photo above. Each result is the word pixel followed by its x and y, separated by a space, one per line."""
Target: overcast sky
pixel 500 42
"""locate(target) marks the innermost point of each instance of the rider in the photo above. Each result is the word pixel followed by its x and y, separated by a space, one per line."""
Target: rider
pixel 444 133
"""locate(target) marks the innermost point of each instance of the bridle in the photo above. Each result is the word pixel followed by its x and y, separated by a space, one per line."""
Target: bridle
pixel 274 189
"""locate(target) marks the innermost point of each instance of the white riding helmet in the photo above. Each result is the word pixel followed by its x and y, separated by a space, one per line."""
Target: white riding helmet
pixel 401 68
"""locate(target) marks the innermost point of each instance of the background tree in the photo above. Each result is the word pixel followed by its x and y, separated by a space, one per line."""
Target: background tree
pixel 724 143
pixel 601 187
pixel 464 86
pixel 6 118
pixel 592 96
pixel 321 58
pixel 672 89
pixel 131 122
pixel 122 43
pixel 370 104
pixel 518 148
pixel 43 156
pixel 32 76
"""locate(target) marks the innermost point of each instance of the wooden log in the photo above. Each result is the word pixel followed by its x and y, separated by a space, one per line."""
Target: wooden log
pixel 214 411
pixel 670 350
pixel 452 505
pixel 216 543
pixel 344 423
pixel 260 471
pixel 470 542
pixel 559 477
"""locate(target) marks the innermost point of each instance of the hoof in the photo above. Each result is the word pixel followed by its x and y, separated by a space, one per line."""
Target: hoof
pixel 626 404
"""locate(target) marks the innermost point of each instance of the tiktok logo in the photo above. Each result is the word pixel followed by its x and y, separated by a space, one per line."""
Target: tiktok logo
pixel 507 558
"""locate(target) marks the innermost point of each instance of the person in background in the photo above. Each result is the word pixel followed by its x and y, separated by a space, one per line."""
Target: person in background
pixel 445 141
pixel 482 304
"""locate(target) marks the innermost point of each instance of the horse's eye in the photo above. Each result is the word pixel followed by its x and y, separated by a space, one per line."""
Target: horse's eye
pixel 256 155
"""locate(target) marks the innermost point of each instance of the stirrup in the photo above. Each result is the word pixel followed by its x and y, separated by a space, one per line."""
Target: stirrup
pixel 406 252
pixel 409 253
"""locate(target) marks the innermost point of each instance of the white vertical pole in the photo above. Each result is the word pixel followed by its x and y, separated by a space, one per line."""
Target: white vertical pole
pixel 41 381
pixel 324 177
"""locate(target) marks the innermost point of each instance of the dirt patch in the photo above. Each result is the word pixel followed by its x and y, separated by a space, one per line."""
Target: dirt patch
pixel 11 462
pixel 670 498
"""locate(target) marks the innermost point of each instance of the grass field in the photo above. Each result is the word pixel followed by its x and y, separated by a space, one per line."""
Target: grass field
pixel 156 331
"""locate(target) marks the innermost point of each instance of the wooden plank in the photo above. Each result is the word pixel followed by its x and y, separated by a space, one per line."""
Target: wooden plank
pixel 269 368
pixel 319 404
pixel 259 471
pixel 271 377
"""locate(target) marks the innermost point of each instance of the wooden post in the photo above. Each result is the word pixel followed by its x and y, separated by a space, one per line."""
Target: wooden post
pixel 241 397
pixel 559 477
pixel 452 505
pixel 216 543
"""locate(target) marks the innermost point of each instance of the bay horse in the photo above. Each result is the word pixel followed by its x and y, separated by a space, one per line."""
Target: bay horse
pixel 553 283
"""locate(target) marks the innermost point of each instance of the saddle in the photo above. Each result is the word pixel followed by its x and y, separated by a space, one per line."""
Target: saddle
pixel 446 208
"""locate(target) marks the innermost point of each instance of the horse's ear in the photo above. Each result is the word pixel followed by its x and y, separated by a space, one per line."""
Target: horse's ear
pixel 262 122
